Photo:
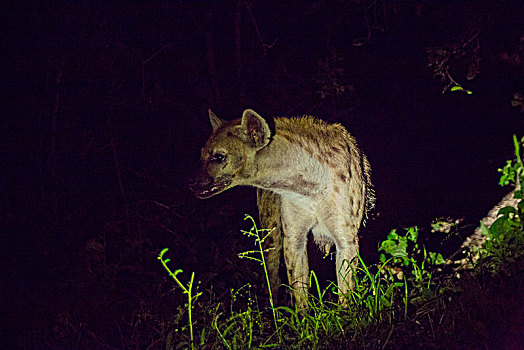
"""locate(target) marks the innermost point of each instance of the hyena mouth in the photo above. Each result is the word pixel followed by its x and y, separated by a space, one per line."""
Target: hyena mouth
pixel 205 188
pixel 206 193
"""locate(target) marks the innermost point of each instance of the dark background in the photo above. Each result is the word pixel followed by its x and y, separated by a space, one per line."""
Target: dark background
pixel 104 110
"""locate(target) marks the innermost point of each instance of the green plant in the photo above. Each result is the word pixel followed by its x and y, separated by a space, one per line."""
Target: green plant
pixel 257 255
pixel 505 237
pixel 237 331
pixel 513 171
pixel 322 318
pixel 409 259
pixel 191 296
pixel 373 292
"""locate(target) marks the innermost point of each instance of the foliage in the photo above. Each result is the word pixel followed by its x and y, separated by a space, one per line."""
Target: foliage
pixel 406 256
pixel 191 297
pixel 259 235
pixel 382 295
pixel 505 237
pixel 513 172
pixel 407 289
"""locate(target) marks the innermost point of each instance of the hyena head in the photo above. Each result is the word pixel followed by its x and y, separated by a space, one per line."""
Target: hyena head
pixel 228 158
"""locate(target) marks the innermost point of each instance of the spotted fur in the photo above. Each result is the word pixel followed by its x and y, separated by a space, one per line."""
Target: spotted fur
pixel 310 175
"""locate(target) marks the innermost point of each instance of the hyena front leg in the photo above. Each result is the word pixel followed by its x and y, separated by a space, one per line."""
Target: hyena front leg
pixel 296 224
pixel 269 215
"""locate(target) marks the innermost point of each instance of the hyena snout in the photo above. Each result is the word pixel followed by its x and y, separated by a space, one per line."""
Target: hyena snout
pixel 205 186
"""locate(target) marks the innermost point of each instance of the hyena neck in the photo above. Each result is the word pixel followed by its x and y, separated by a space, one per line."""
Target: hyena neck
pixel 286 168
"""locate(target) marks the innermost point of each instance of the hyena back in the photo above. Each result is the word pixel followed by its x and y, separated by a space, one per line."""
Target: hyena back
pixel 311 176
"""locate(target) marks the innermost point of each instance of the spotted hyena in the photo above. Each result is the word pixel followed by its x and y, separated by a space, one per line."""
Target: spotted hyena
pixel 310 175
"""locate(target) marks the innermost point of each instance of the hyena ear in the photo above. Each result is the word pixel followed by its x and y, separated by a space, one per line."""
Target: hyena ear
pixel 255 128
pixel 216 122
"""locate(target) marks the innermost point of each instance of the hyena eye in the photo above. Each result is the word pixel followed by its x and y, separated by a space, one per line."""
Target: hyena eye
pixel 218 157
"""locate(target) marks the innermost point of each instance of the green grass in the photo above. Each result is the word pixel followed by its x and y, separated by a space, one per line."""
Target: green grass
pixel 410 298
pixel 192 296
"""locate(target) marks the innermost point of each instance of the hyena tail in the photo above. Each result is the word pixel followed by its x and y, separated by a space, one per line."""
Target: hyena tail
pixel 369 189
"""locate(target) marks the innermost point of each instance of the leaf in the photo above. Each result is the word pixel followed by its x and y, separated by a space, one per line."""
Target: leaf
pixel 399 250
pixel 203 337
pixel 516 145
pixel 484 229
pixel 387 246
pixel 437 259
pixel 460 88
pixel 393 235
pixel 521 206
pixel 506 211
pixel 413 234
pixel 499 227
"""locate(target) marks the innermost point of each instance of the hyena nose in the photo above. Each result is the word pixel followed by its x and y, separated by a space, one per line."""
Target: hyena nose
pixel 193 183
pixel 194 178
pixel 198 182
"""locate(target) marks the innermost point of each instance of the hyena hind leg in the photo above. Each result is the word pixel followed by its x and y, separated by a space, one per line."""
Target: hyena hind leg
pixel 270 218
pixel 346 264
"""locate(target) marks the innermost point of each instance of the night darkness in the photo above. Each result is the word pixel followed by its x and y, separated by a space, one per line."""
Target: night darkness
pixel 104 111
